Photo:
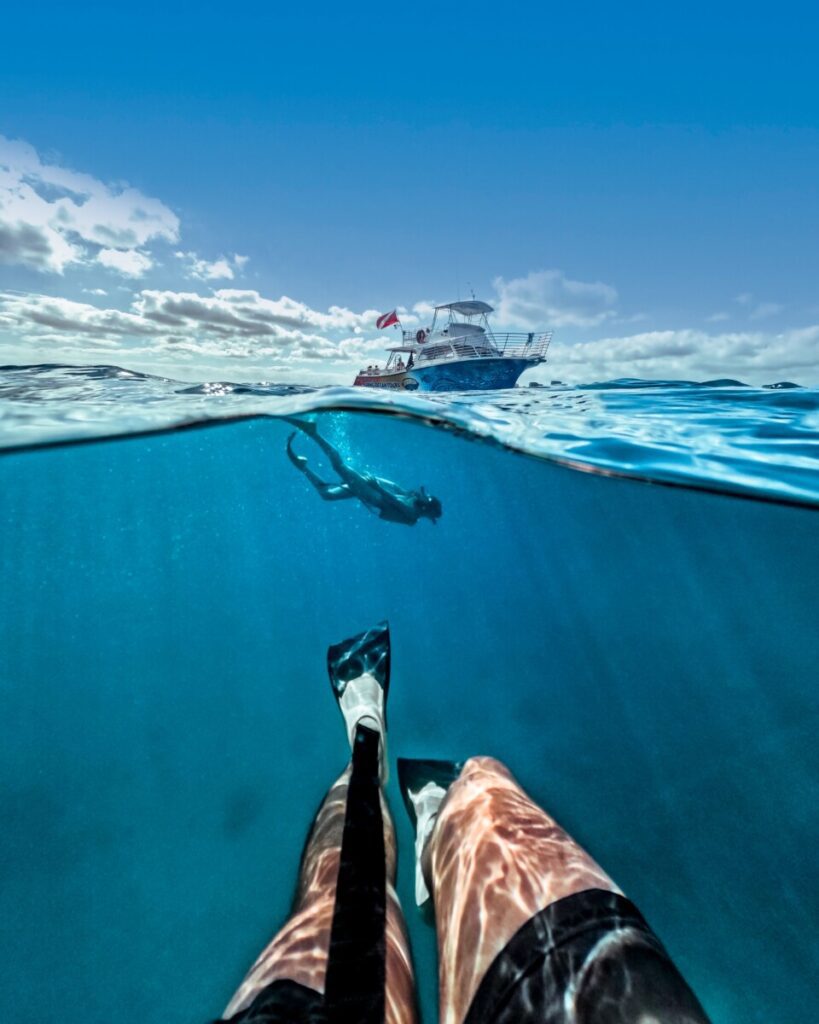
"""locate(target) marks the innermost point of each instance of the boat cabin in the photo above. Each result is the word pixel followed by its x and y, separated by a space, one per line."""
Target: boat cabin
pixel 459 330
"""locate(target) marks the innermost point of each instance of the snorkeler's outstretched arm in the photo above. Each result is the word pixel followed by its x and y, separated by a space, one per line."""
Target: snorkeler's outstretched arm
pixel 330 492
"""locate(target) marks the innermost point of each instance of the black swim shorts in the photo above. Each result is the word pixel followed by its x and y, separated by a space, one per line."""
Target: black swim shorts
pixel 283 1002
pixel 589 958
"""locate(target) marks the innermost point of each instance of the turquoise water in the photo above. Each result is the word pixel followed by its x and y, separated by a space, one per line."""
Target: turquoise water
pixel 642 656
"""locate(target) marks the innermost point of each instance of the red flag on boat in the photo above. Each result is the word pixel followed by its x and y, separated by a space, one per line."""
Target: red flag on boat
pixel 387 320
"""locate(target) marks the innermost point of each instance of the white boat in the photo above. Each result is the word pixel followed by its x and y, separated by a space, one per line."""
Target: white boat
pixel 458 352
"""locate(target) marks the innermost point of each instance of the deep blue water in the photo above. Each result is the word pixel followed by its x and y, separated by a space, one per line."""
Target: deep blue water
pixel 643 657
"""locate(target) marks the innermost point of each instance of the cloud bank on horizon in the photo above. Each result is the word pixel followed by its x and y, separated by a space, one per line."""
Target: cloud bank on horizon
pixel 76 236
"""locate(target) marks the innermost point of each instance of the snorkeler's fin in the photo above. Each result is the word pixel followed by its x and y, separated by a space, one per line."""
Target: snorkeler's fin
pixel 308 426
pixel 424 785
pixel 359 670
pixel 299 461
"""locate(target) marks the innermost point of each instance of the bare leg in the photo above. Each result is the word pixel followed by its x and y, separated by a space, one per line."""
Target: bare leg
pixel 494 860
pixel 299 951
pixel 332 454
pixel 330 492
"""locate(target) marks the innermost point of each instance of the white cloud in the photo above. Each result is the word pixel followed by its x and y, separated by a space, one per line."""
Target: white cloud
pixel 547 298
pixel 52 217
pixel 225 268
pixel 717 318
pixel 34 245
pixel 130 262
pixel 544 298
pixel 363 349
pixel 246 313
pixel 751 356
pixel 58 319
pixel 423 310
pixel 227 324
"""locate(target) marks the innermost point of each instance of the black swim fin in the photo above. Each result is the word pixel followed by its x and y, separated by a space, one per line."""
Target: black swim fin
pixel 308 426
pixel 413 775
pixel 424 785
pixel 359 670
pixel 299 461
pixel 368 652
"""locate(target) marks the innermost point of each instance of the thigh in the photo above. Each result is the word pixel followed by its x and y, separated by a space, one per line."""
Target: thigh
pixel 495 860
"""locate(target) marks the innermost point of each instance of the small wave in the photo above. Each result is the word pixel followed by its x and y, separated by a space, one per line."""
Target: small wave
pixel 719 434
pixel 259 390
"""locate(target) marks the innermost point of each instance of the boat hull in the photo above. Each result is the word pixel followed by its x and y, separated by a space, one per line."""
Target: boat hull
pixel 468 375
pixel 388 381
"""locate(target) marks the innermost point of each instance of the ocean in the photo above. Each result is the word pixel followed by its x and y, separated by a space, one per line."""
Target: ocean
pixel 619 601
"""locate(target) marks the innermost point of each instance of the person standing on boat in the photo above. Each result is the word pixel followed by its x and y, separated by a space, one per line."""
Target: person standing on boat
pixel 531 930
pixel 383 497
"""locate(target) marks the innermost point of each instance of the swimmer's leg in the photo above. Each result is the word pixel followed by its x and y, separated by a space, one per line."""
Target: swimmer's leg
pixel 501 869
pixel 330 492
pixel 299 952
pixel 311 429
pixel 494 859
pixel 348 868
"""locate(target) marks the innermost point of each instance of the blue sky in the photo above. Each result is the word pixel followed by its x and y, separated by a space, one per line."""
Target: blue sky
pixel 642 179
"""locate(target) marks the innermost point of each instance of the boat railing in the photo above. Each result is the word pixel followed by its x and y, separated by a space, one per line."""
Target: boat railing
pixel 514 345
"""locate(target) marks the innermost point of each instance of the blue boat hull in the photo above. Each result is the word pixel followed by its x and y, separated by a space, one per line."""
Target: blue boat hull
pixel 468 375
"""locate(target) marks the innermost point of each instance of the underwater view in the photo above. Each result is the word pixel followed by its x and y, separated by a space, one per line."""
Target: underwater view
pixel 613 589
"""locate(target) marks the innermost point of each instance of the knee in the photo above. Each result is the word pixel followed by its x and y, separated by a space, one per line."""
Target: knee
pixel 479 782
pixel 482 767
pixel 483 782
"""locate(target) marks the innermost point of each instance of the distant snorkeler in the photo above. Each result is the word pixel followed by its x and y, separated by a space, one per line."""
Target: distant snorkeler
pixel 383 497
